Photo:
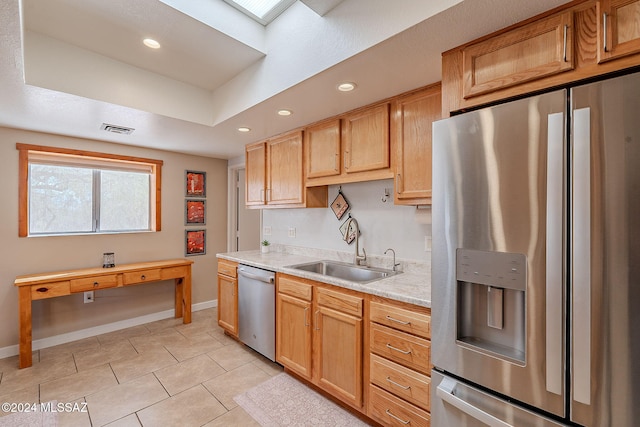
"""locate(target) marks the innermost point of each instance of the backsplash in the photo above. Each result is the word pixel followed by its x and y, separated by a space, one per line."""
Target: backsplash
pixel 382 224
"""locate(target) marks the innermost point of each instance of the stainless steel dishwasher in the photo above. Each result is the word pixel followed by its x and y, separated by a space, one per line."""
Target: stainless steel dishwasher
pixel 257 309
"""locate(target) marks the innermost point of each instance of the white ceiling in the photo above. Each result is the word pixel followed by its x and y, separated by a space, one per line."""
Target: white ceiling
pixel 67 66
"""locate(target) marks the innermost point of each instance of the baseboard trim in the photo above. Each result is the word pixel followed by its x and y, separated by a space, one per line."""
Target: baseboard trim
pixel 13 350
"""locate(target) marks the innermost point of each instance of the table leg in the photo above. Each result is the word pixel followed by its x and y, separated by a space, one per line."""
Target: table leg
pixel 186 292
pixel 24 313
pixel 183 298
pixel 179 298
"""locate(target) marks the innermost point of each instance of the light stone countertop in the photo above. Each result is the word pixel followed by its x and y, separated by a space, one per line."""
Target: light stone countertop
pixel 413 286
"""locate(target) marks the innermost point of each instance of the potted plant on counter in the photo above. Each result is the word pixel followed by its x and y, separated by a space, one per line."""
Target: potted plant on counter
pixel 264 246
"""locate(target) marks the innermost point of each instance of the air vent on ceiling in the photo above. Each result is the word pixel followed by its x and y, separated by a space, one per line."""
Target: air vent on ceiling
pixel 117 129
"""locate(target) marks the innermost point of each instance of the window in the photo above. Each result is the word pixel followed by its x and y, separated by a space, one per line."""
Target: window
pixel 70 191
pixel 263 11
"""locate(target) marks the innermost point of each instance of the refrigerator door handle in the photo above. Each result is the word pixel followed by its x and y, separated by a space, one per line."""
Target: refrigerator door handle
pixel 554 276
pixel 581 256
pixel 446 390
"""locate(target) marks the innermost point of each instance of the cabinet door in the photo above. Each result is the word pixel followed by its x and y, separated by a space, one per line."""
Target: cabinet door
pixel 293 334
pixel 619 28
pixel 412 119
pixel 365 135
pixel 255 182
pixel 338 353
pixel 537 50
pixel 284 170
pixel 228 304
pixel 322 149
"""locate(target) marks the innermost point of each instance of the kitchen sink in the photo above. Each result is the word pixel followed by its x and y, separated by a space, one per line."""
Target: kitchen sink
pixel 346 271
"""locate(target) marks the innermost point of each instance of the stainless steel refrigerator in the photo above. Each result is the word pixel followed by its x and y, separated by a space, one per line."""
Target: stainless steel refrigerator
pixel 536 261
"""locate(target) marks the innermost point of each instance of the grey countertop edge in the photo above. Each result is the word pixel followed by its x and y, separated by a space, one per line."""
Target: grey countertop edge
pixel 412 288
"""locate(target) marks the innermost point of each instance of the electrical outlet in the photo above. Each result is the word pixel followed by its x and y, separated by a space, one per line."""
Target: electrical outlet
pixel 427 243
pixel 88 297
pixel 266 231
pixel 292 232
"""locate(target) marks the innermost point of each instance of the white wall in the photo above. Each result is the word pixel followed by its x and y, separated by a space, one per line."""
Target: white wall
pixel 382 225
pixel 28 255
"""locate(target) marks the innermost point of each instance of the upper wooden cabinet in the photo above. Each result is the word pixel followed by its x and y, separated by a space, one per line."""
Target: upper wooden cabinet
pixel 411 125
pixel 576 41
pixel 525 53
pixel 256 173
pixel 322 149
pixel 275 174
pixel 619 28
pixel 352 148
pixel 365 135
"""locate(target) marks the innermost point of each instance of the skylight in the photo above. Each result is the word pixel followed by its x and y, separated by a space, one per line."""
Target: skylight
pixel 263 11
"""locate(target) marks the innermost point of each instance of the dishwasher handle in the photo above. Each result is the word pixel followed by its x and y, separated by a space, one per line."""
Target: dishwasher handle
pixel 265 279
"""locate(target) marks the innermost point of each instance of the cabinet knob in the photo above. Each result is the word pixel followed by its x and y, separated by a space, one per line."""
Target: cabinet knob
pixel 143 277
pixel 95 284
pixel 42 289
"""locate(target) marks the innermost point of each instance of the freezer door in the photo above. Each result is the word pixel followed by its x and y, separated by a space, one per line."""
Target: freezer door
pixel 455 403
pixel 498 244
pixel 605 253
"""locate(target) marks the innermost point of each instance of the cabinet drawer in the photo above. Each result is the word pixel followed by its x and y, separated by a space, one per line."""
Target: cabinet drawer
pixel 402 319
pixel 295 288
pixel 339 301
pixel 400 347
pixel 94 283
pixel 173 272
pixel 141 276
pixel 391 411
pixel 50 290
pixel 228 268
pixel 400 381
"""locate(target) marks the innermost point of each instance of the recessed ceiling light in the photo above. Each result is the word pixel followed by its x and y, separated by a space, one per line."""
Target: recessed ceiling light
pixel 284 112
pixel 244 129
pixel 346 87
pixel 153 44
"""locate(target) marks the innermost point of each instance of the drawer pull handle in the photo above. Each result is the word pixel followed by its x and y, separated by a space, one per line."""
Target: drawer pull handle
pixel 404 387
pixel 95 284
pixel 397 418
pixel 389 346
pixel 42 290
pixel 391 319
pixel 143 277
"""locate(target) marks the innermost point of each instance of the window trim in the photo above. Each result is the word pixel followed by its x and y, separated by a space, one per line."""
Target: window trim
pixel 23 179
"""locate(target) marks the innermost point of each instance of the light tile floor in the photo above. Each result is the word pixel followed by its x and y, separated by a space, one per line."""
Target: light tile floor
pixel 163 373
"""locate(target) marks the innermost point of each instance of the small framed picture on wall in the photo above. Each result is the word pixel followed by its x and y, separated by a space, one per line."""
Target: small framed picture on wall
pixel 195 212
pixel 195 242
pixel 196 183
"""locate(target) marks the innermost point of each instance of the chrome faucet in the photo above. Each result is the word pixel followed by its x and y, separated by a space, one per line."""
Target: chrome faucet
pixel 394 258
pixel 358 259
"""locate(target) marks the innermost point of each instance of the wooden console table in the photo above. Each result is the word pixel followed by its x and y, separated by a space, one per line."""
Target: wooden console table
pixel 49 285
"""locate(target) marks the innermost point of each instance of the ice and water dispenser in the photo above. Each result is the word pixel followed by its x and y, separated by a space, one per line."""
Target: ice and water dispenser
pixel 491 302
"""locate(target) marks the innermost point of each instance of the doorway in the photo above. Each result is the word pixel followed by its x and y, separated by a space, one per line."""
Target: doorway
pixel 244 224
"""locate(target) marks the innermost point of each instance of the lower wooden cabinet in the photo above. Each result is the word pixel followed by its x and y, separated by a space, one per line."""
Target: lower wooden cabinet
pixel 319 336
pixel 399 363
pixel 228 296
pixel 293 325
pixel 338 345
pixel 369 352
pixel 389 410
